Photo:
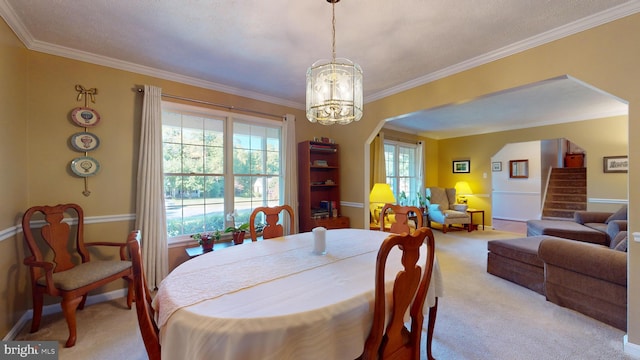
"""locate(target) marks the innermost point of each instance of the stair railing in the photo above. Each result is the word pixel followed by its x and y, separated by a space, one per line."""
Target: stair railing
pixel 544 193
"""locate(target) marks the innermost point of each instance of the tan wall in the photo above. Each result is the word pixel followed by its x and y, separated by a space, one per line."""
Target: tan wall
pixel 14 93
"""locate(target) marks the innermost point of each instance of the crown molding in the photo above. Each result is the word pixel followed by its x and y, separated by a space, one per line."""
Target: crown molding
pixel 575 27
pixel 28 40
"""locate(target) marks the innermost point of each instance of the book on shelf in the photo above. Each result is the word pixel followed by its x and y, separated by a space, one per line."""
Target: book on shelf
pixel 319 147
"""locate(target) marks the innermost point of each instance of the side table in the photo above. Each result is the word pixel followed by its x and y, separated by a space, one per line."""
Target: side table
pixel 476 211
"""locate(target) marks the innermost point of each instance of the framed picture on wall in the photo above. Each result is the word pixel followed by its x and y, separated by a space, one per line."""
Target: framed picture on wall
pixel 615 164
pixel 518 169
pixel 496 166
pixel 461 166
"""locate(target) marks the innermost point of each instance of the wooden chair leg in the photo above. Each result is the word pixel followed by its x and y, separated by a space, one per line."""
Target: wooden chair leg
pixel 38 302
pixel 444 228
pixel 430 326
pixel 84 300
pixel 69 307
pixel 130 292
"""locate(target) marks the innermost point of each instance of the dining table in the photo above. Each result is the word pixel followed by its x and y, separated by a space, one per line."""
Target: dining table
pixel 278 299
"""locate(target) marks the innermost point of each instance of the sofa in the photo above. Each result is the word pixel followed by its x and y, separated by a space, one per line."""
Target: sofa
pixel 587 226
pixel 588 278
pixel 580 264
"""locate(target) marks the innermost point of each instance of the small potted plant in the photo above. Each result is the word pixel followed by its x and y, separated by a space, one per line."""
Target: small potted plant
pixel 421 202
pixel 206 240
pixel 238 231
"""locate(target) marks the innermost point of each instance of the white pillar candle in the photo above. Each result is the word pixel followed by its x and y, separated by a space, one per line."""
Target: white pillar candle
pixel 319 240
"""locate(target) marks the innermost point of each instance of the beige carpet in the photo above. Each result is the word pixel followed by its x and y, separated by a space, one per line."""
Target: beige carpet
pixel 480 317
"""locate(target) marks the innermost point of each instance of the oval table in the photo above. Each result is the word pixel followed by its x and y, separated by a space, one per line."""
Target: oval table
pixel 275 299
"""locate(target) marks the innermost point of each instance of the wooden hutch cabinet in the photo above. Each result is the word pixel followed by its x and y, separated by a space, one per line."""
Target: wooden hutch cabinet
pixel 319 186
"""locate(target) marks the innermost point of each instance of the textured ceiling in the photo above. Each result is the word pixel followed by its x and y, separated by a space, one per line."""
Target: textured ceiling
pixel 262 49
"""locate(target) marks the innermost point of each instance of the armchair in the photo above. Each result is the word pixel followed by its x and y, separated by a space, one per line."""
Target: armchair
pixel 60 265
pixel 442 208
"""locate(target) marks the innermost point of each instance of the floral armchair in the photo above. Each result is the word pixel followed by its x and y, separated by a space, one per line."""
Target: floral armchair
pixel 443 209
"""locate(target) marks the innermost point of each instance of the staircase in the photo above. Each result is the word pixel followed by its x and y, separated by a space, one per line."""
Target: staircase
pixel 566 194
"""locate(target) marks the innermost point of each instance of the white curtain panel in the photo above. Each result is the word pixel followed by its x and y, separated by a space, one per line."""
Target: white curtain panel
pixel 150 211
pixel 420 168
pixel 290 161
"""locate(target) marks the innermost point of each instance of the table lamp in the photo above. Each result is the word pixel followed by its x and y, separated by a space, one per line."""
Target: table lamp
pixel 380 195
pixel 463 189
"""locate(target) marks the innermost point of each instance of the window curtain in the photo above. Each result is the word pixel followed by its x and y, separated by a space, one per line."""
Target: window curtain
pixel 150 210
pixel 420 169
pixel 290 170
pixel 378 168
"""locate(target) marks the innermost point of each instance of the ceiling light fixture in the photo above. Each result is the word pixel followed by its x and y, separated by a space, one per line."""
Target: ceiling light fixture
pixel 334 89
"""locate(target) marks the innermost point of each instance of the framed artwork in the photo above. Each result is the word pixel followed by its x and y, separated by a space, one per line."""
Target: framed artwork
pixel 496 166
pixel 461 166
pixel 615 164
pixel 518 169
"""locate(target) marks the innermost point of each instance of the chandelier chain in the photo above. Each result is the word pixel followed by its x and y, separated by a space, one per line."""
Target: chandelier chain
pixel 333 30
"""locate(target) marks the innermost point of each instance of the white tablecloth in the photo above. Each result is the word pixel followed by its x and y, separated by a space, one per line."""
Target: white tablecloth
pixel 274 299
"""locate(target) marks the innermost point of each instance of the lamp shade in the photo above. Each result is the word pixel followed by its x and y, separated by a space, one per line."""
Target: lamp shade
pixel 462 188
pixel 381 193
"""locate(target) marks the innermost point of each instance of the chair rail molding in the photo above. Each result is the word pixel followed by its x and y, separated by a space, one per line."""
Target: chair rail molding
pixel 14 230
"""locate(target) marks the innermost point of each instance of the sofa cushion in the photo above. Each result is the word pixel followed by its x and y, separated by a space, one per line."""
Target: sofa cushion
pixel 602 227
pixel 566 229
pixel 621 214
pixel 619 242
pixel 452 214
pixel 616 226
pixel 622 245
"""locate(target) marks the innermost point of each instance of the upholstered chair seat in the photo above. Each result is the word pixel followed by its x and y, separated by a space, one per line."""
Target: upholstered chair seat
pixel 85 274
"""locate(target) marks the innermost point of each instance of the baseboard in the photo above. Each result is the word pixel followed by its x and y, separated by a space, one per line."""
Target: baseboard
pixel 55 308
pixel 631 348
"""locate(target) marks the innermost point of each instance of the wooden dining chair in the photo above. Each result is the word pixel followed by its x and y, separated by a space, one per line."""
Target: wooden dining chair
pixel 401 215
pixel 148 328
pixel 272 216
pixel 395 341
pixel 61 265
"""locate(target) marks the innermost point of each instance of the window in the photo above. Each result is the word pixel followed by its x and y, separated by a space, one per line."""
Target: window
pixel 403 174
pixel 204 152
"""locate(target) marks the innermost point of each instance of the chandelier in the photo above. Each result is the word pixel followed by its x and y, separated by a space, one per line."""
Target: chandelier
pixel 334 89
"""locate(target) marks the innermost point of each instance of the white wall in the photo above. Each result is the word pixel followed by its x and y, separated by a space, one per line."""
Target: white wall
pixel 517 199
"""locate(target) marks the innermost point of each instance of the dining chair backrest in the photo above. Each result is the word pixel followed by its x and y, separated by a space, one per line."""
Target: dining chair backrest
pixel 395 341
pixel 60 263
pixel 146 316
pixel 401 215
pixel 272 216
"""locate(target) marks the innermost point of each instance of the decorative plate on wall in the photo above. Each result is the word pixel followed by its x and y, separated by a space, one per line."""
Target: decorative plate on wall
pixel 84 141
pixel 85 166
pixel 85 117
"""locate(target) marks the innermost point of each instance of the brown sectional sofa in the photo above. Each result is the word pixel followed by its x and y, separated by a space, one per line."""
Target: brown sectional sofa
pixel 588 278
pixel 584 263
pixel 587 226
